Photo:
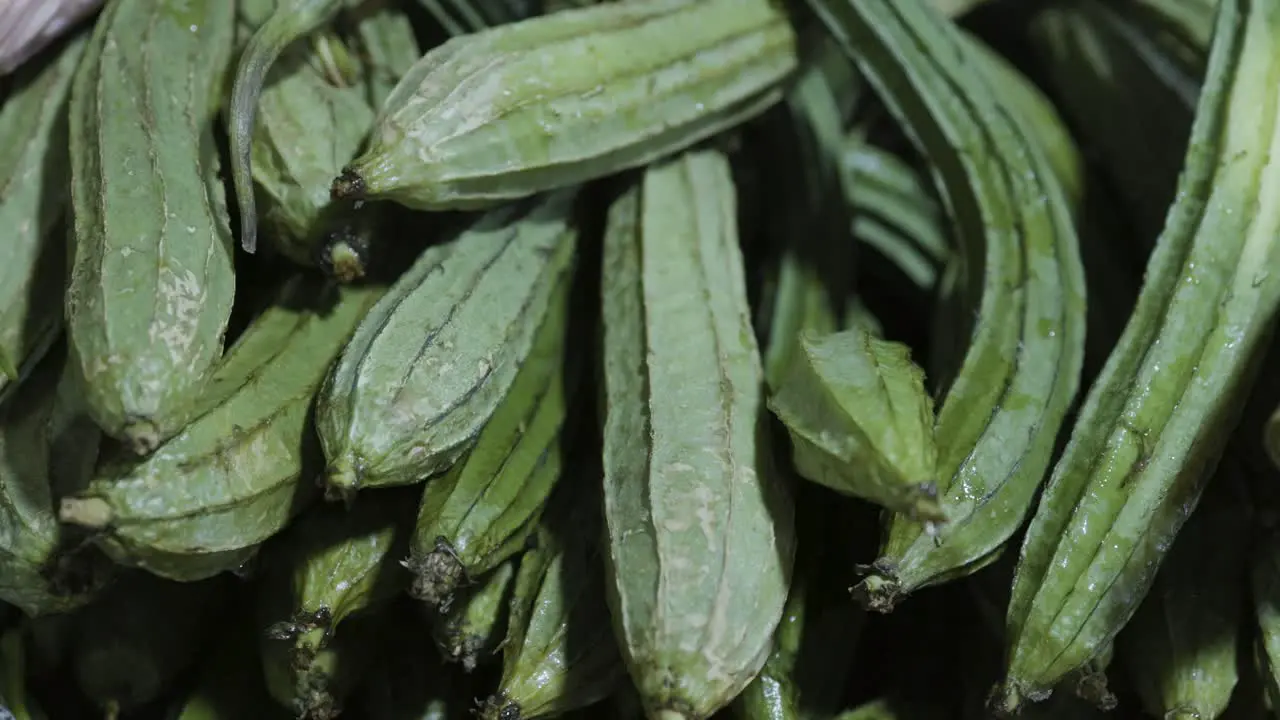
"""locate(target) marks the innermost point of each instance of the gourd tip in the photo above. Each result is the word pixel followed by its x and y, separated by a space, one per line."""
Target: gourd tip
pixel 1092 688
pixel 90 512
pixel 341 482
pixel 142 436
pixel 877 593
pixel 436 575
pixel 1006 699
pixel 466 652
pixel 926 507
pixel 497 707
pixel 344 256
pixel 249 239
pixel 349 185
pixel 317 703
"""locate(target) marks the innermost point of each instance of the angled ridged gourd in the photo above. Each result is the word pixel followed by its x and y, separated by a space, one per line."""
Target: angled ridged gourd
pixel 698 523
pixel 152 277
pixel 561 99
pixel 431 362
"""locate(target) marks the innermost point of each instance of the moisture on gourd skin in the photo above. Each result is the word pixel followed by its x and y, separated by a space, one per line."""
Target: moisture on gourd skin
pixel 1157 419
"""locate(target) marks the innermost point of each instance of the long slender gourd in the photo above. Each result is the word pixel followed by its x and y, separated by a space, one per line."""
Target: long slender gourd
pixel 996 426
pixel 1153 425
pixel 291 20
pixel 561 99
pixel 152 277
pixel 699 525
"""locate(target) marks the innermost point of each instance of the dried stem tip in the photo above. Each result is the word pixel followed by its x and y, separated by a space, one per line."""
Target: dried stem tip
pixel 497 708
pixel 345 257
pixel 436 575
pixel 1005 700
pixel 347 186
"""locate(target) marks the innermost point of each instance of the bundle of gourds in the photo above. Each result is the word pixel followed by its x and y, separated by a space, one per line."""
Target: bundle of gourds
pixel 665 359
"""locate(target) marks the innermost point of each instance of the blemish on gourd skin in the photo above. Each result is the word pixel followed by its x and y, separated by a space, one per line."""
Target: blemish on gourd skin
pixel 205 498
pixel 141 200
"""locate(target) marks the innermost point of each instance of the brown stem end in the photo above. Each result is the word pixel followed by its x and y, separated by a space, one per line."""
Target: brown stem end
pixel 348 186
pixel 437 574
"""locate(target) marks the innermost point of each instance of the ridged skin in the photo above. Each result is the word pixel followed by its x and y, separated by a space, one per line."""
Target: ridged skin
pixel 1021 282
pixel 434 358
pixel 565 98
pixel 244 466
pixel 1155 421
pixel 152 277
pixel 482 511
pixel 33 275
pixel 699 525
